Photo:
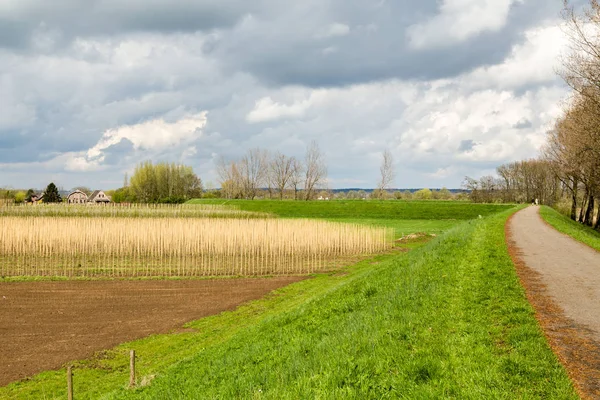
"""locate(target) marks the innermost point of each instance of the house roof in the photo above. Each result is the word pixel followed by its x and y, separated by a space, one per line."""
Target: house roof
pixel 75 192
pixel 94 196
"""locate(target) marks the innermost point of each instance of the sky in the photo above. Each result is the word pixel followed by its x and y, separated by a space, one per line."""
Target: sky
pixel 90 88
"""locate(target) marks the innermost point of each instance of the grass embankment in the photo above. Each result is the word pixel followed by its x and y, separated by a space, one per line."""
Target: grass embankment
pixel 448 320
pixel 569 227
pixel 371 209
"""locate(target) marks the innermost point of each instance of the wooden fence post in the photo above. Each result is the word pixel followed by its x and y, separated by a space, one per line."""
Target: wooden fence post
pixel 70 382
pixel 132 368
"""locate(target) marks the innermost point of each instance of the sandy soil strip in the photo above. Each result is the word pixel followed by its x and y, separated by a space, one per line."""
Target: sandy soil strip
pixel 562 280
pixel 46 324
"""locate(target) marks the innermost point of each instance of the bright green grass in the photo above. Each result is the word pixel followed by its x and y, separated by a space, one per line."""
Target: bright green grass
pixel 372 209
pixel 569 227
pixel 450 320
pixel 404 227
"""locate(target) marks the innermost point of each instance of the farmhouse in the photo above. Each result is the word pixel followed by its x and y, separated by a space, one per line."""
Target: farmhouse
pixel 99 197
pixel 77 197
pixel 36 198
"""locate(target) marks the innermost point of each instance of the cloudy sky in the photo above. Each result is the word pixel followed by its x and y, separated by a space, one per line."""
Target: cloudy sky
pixel 89 88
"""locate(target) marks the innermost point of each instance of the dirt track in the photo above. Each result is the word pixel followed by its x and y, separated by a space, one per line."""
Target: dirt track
pixel 46 324
pixel 562 278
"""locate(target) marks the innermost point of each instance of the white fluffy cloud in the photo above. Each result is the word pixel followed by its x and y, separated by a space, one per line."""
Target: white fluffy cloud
pixel 150 136
pixel 266 109
pixel 459 20
pixel 533 62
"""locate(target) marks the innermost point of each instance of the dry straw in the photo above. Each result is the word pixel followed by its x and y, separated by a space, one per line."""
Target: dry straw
pixel 128 210
pixel 130 247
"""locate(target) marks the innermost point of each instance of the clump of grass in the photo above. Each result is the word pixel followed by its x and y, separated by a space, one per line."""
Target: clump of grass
pixel 569 227
pixel 132 247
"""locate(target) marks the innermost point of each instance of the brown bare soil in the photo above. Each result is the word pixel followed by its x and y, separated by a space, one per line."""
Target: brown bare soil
pixel 571 334
pixel 44 325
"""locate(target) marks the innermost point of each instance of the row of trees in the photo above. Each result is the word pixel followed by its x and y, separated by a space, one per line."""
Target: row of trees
pixel 277 172
pixel 517 182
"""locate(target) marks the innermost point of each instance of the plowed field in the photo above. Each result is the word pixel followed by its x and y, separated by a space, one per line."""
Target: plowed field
pixel 46 324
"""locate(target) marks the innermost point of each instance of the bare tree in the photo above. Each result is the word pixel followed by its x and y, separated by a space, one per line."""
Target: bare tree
pixel 229 178
pixel 296 176
pixel 281 169
pixel 315 172
pixel 388 174
pixel 253 171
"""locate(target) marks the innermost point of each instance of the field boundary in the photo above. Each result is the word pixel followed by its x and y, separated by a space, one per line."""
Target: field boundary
pixel 571 342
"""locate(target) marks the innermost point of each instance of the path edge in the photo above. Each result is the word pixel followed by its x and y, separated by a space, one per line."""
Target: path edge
pixel 572 343
pixel 564 234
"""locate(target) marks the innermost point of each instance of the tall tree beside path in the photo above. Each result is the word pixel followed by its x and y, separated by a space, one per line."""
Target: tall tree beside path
pixel 51 194
pixel 388 174
pixel 315 172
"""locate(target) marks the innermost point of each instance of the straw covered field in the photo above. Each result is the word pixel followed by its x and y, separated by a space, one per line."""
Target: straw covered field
pixel 116 246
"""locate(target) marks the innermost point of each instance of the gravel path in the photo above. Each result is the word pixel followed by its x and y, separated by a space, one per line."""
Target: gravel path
pixel 562 280
pixel 570 270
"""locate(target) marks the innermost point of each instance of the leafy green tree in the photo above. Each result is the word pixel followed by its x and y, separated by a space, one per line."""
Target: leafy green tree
pixel 29 195
pixel 20 197
pixel 423 194
pixel 51 194
pixel 164 182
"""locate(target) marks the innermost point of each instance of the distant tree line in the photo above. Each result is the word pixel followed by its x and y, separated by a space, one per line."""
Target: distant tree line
pixel 517 182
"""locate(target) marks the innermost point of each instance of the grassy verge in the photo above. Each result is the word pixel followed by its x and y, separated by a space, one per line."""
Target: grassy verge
pixel 449 320
pixel 569 227
pixel 371 209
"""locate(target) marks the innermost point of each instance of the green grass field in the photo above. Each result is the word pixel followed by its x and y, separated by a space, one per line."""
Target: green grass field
pixel 371 209
pixel 569 227
pixel 447 320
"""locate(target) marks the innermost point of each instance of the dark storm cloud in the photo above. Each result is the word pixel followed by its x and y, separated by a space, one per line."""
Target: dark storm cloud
pixel 20 19
pixel 284 50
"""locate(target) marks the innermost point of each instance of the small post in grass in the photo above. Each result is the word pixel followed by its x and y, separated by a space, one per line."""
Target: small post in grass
pixel 132 368
pixel 70 382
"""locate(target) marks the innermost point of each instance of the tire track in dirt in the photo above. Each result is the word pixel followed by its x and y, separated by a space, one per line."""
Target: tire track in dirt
pixel 562 281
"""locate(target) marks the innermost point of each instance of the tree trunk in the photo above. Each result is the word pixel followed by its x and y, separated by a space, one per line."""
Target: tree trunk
pixel 574 204
pixel 589 214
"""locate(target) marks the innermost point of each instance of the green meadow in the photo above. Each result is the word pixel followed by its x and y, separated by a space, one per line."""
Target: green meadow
pixel 449 319
pixel 369 209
